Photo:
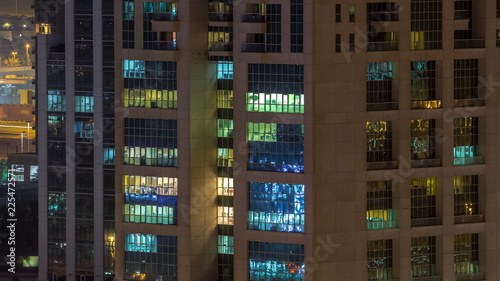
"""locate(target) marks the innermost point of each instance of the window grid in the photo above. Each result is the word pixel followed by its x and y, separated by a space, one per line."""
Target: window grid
pixel 379 141
pixel 276 207
pixel 338 42
pixel 379 12
pixel 423 256
pixel 276 147
pixel 466 140
pixel 56 101
pixel 379 212
pixel 296 26
pixel 466 195
pixel 426 25
pixel 150 142
pixel 273 28
pixel 159 40
pixel 275 88
pixel 159 75
pixel 150 98
pixel 379 260
pixel 423 142
pixel 466 254
pixel 225 215
pixel 423 198
pixel 423 85
pixel 466 82
pixel 379 82
pixel 149 257
pixel 276 261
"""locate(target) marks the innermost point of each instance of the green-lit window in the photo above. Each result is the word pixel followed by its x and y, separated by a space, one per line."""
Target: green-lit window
pixel 225 244
pixel 275 88
pixel 225 128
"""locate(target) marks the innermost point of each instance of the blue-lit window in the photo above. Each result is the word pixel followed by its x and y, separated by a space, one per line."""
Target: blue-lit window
pixel 379 82
pixel 225 244
pixel 276 147
pixel 150 142
pixel 56 101
pixel 276 207
pixel 155 75
pixel 84 103
pixel 466 141
pixel 134 69
pixel 276 261
pixel 150 257
pixel 108 155
pixel 56 205
pixel 225 70
pixel 150 199
pixel 84 129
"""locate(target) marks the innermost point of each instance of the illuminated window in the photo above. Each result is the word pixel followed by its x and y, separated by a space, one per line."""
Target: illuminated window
pixel 276 207
pixel 379 210
pixel 466 255
pixel 423 198
pixel 150 199
pixel 225 186
pixel 224 99
pixel 379 260
pixel 378 83
pixel 161 75
pixel 276 147
pixel 225 215
pixel 466 195
pixel 466 81
pixel 164 11
pixel 84 129
pixel 220 38
pixel 56 205
pixel 225 244
pixel 159 39
pixel 466 141
pixel 426 24
pixel 56 126
pixel 423 142
pixel 150 98
pixel 150 142
pixel 423 85
pixel 84 103
pixel 225 128
pixel 423 256
pixel 150 257
pixel 277 261
pixel 225 157
pixel 56 101
pixel 379 141
pixel 220 11
pixel 275 88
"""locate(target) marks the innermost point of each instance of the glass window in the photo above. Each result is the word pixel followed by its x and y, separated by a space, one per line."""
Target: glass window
pixel 296 26
pixel 466 254
pixel 466 141
pixel 426 24
pixel 379 82
pixel 276 207
pixel 423 142
pixel 279 260
pixel 150 257
pixel 275 88
pixel 56 101
pixel 466 80
pixel 225 244
pixel 423 256
pixel 423 198
pixel 423 85
pixel 84 103
pixel 379 141
pixel 379 261
pixel 379 210
pixel 466 195
pixel 276 147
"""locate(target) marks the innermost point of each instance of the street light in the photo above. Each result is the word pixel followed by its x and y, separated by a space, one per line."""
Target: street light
pixel 28 124
pixel 22 141
pixel 28 54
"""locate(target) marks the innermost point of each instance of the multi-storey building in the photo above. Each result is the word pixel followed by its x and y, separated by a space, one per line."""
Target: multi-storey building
pixel 75 86
pixel 296 140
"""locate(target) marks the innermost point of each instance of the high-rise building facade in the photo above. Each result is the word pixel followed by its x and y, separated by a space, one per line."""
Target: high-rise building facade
pixel 291 140
pixel 75 82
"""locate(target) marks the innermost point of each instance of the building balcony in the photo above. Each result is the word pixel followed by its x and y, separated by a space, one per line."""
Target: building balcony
pixel 425 104
pixel 163 17
pixel 371 225
pixel 253 47
pixel 378 106
pixel 220 46
pixel 427 278
pixel 422 163
pixel 386 165
pixel 469 276
pixel 382 46
pixel 425 221
pixel 253 17
pixel 469 102
pixel 469 219
pixel 217 16
pixel 469 43
pixel 459 161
